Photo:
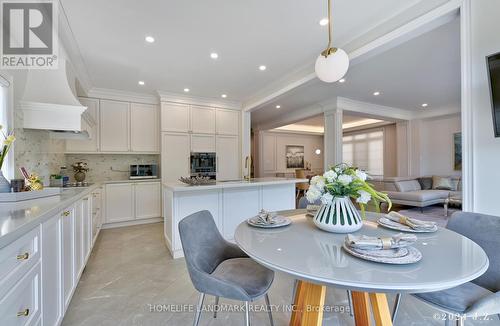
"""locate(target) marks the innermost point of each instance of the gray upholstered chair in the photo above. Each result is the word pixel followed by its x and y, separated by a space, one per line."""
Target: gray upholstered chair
pixel 303 202
pixel 480 297
pixel 220 268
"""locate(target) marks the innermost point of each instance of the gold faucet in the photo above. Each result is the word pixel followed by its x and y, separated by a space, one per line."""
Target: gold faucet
pixel 248 166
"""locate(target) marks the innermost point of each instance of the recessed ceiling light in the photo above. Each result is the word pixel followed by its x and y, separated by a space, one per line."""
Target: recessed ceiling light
pixel 278 106
pixel 186 90
pixel 223 96
pixel 342 80
pixel 323 22
pixel 141 82
pixel 214 55
pixel 150 39
pixel 425 105
pixel 376 93
pixel 262 68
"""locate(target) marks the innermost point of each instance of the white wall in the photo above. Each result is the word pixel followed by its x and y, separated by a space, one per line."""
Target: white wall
pixel 270 156
pixel 436 145
pixel 486 148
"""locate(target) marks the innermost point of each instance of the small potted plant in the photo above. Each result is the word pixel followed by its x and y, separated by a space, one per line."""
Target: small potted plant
pixel 7 143
pixel 335 188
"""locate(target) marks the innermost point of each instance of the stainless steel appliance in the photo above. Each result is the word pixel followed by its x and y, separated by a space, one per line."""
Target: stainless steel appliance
pixel 204 165
pixel 143 171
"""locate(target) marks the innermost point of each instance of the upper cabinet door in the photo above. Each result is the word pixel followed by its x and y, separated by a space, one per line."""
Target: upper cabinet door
pixel 202 143
pixel 144 125
pixel 175 117
pixel 202 120
pixel 175 156
pixel 91 145
pixel 228 158
pixel 114 126
pixel 227 122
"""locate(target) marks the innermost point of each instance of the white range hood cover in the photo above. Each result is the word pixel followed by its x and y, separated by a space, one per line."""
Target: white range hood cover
pixel 48 102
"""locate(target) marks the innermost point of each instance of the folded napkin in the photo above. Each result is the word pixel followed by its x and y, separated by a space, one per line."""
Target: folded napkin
pixel 265 217
pixel 373 243
pixel 411 222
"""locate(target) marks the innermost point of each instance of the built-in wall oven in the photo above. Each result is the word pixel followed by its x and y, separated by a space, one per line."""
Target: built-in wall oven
pixel 204 165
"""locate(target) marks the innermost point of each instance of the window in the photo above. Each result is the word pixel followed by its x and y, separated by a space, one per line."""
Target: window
pixel 6 122
pixel 365 150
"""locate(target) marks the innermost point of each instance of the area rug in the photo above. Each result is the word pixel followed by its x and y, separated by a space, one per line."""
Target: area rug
pixel 431 213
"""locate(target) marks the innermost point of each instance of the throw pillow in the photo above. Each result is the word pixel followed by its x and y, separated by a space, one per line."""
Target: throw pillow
pixel 441 183
pixel 425 183
pixel 407 185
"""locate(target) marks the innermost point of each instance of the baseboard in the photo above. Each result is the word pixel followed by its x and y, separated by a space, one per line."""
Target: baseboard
pixel 131 223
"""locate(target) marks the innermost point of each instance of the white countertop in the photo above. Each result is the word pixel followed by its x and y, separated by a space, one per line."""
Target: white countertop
pixel 18 218
pixel 179 186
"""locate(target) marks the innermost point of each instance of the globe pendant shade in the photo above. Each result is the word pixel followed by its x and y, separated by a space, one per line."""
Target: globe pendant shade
pixel 333 67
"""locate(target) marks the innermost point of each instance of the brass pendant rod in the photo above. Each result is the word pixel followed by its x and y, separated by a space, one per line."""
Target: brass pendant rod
pixel 329 24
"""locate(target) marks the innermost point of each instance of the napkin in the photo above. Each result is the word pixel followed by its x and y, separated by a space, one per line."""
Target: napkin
pixel 378 243
pixel 411 222
pixel 265 217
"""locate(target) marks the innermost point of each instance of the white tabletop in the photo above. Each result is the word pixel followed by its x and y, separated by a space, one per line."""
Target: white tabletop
pixel 308 253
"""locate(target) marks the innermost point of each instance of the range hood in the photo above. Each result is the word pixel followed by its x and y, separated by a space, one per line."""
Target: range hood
pixel 48 103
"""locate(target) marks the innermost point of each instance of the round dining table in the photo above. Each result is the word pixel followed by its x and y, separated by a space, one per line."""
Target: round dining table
pixel 317 260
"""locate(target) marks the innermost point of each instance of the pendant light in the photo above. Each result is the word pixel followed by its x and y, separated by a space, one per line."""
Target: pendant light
pixel 332 63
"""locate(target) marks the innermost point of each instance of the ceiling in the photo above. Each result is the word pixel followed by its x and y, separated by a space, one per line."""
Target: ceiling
pixel 425 69
pixel 284 35
pixel 316 124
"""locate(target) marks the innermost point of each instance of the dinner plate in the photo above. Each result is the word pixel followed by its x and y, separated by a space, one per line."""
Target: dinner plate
pixel 400 256
pixel 279 221
pixel 385 222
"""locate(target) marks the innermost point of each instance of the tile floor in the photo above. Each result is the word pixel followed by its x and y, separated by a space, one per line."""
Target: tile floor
pixel 131 279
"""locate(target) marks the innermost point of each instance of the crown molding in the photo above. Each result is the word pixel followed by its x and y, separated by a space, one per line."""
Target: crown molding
pixel 118 95
pixel 74 54
pixel 197 100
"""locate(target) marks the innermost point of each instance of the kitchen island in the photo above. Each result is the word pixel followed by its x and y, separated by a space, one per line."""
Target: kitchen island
pixel 229 202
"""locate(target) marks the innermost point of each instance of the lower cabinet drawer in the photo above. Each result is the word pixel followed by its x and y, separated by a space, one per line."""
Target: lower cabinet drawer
pixel 21 305
pixel 17 258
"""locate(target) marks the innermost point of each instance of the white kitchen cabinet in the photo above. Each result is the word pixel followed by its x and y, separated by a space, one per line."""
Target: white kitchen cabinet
pixel 202 120
pixel 175 117
pixel 68 254
pixel 202 143
pixel 144 128
pixel 147 200
pixel 79 235
pixel 114 126
pixel 119 202
pixel 175 156
pixel 87 229
pixel 228 158
pixel 96 213
pixel 52 271
pixel 92 144
pixel 227 122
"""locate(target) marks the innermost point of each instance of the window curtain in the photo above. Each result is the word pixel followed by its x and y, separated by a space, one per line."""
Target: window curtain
pixel 6 120
pixel 365 150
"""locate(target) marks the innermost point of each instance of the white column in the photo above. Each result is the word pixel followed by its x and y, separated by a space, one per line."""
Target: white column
pixel 246 125
pixel 333 137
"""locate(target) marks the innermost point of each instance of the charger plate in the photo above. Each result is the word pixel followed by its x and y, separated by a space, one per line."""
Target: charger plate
pixel 400 256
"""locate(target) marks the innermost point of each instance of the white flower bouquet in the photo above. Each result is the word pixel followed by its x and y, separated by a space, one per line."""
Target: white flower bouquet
pixel 345 181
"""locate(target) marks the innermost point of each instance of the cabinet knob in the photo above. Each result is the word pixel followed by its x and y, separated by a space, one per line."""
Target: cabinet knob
pixel 23 313
pixel 24 256
pixel 66 213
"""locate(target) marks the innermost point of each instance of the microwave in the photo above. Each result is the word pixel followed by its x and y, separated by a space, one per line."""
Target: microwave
pixel 203 164
pixel 143 171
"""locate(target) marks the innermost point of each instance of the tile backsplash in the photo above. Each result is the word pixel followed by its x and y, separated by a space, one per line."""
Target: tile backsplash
pixel 108 167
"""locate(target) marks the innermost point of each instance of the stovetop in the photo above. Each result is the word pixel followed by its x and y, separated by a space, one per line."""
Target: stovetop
pixel 78 184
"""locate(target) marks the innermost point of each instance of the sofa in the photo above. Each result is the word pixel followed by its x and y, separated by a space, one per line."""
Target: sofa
pixel 420 191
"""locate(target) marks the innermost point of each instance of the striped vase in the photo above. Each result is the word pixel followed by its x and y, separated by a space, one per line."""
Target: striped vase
pixel 341 216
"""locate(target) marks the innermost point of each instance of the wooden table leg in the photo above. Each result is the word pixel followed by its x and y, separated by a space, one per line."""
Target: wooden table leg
pixel 361 306
pixel 308 304
pixel 380 307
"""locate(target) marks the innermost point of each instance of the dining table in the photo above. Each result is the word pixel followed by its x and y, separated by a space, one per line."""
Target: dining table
pixel 316 259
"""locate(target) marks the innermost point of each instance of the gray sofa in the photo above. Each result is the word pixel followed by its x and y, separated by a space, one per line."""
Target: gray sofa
pixel 408 191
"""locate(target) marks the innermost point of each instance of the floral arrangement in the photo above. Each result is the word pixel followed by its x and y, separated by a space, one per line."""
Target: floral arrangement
pixel 343 180
pixel 7 143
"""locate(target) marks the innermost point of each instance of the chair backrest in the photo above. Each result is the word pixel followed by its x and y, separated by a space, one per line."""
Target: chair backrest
pixel 303 202
pixel 485 231
pixel 203 245
pixel 300 174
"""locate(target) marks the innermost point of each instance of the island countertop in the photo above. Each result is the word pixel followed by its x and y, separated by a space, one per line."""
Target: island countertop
pixel 178 186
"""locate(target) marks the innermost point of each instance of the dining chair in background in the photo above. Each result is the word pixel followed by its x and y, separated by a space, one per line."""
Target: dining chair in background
pixel 302 187
pixel 220 268
pixel 480 297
